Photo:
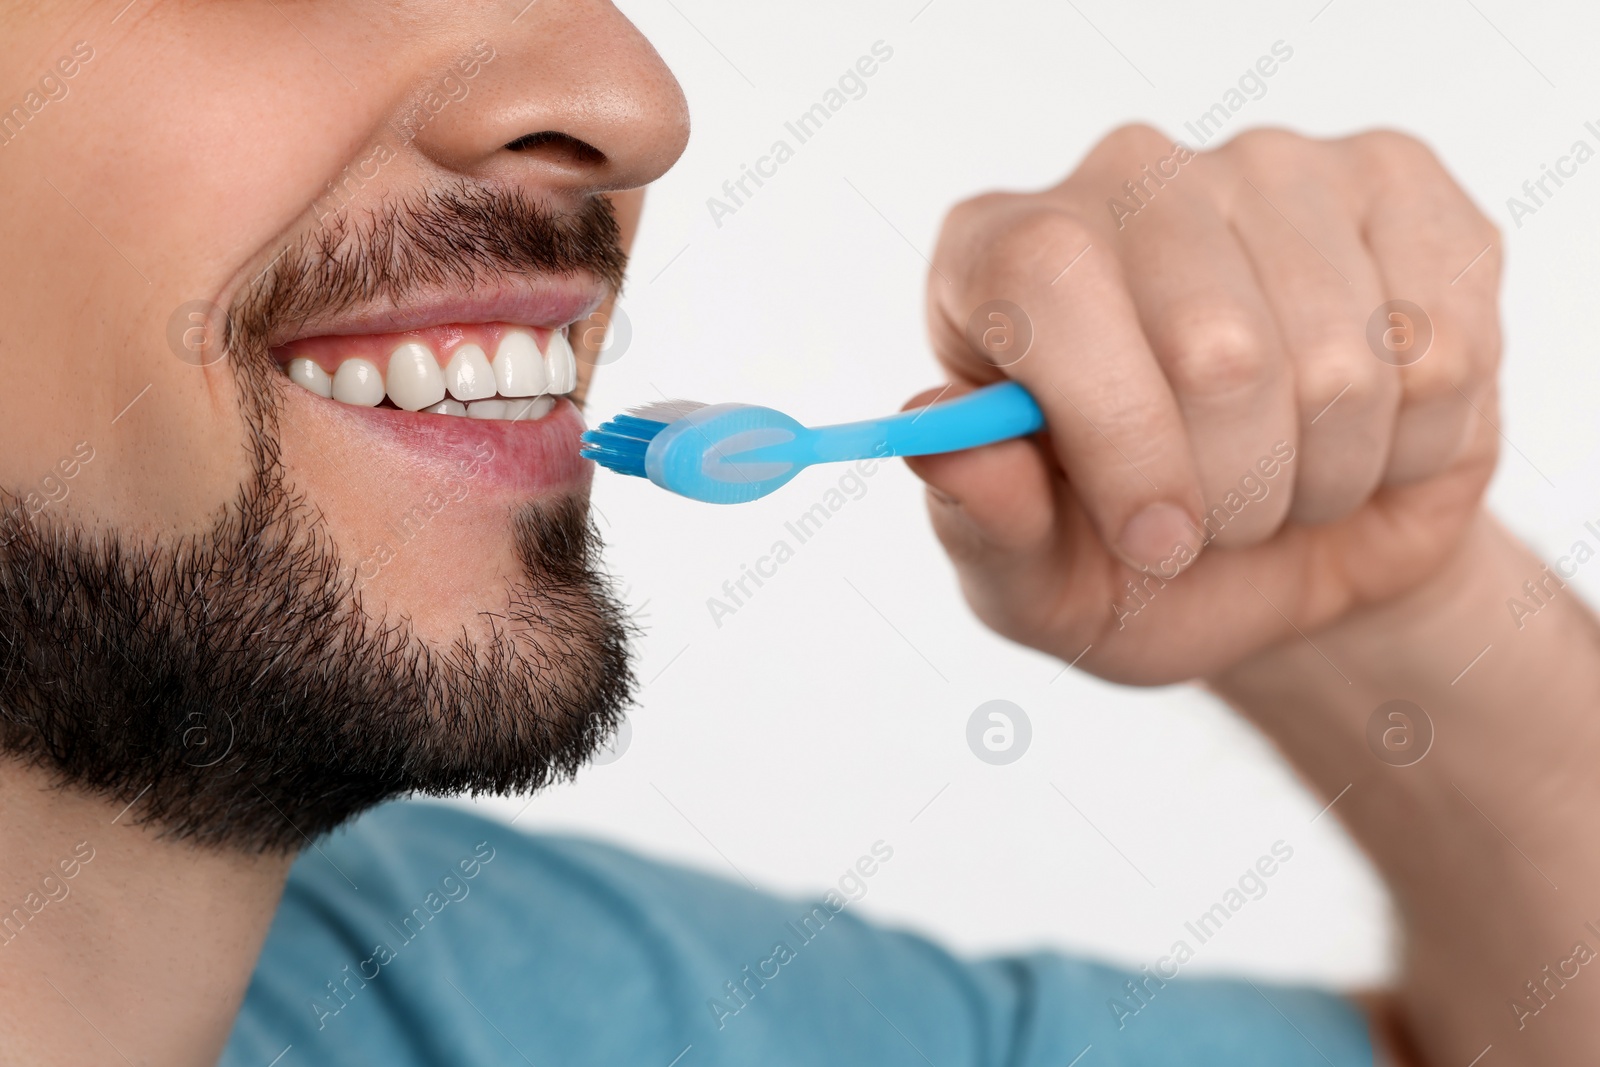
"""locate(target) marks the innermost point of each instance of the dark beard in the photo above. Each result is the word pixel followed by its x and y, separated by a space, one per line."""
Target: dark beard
pixel 230 684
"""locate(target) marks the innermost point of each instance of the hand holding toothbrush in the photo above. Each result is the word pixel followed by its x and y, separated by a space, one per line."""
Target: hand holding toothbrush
pixel 1212 401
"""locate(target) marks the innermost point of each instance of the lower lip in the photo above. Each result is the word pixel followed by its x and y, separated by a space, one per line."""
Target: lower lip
pixel 526 457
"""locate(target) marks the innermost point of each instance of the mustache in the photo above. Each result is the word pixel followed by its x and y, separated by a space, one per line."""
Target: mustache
pixel 462 235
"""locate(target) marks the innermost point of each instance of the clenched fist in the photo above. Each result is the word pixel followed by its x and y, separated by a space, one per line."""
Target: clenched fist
pixel 1268 372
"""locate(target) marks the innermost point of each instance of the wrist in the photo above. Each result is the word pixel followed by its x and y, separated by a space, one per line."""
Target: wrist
pixel 1511 689
pixel 1502 714
pixel 1475 830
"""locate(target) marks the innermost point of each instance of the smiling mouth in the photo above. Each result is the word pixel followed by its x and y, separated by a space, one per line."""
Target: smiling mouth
pixel 486 371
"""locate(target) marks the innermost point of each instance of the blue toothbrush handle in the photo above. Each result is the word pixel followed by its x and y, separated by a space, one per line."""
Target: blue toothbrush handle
pixel 994 413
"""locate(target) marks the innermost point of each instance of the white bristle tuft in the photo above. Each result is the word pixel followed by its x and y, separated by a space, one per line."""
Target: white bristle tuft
pixel 666 410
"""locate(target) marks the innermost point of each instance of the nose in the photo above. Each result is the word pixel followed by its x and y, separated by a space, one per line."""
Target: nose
pixel 567 95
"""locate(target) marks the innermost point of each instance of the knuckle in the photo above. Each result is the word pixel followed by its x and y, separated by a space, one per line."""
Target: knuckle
pixel 1461 369
pixel 1268 143
pixel 1280 163
pixel 1023 250
pixel 1392 151
pixel 1136 138
pixel 1216 353
pixel 965 223
pixel 1336 370
pixel 974 210
pixel 1438 376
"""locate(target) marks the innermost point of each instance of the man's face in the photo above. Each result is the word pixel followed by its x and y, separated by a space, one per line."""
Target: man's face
pixel 256 566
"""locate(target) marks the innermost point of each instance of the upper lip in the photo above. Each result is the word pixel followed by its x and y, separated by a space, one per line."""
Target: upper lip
pixel 549 301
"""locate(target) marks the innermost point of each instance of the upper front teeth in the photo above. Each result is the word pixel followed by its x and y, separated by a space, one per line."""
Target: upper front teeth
pixel 560 363
pixel 415 382
pixel 414 379
pixel 518 370
pixel 469 376
pixel 357 381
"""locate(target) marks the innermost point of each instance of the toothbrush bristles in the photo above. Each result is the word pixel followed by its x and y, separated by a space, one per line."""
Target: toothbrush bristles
pixel 663 411
pixel 620 443
pixel 632 426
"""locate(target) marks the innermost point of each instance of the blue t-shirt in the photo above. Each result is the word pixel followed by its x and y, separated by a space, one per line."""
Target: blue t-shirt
pixel 423 934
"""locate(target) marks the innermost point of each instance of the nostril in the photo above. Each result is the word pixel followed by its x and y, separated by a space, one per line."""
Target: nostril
pixel 582 151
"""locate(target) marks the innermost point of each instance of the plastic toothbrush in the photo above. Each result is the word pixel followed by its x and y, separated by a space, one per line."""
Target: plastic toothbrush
pixel 734 453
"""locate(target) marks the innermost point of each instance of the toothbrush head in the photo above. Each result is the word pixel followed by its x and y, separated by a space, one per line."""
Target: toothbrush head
pixel 619 444
pixel 720 454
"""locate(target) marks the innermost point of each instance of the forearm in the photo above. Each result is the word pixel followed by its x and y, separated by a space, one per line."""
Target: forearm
pixel 1476 836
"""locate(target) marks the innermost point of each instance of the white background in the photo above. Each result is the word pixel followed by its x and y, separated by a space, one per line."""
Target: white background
pixel 829 710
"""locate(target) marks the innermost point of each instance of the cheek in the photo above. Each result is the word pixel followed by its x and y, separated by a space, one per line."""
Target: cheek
pixel 151 166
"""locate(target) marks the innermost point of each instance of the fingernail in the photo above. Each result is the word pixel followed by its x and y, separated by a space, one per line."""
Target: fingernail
pixel 1161 538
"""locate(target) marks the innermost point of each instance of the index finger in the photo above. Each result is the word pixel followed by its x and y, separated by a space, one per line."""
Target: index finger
pixel 1069 332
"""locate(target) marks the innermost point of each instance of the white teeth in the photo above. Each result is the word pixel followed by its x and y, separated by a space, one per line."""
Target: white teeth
pixel 559 363
pixel 518 369
pixel 519 384
pixel 358 382
pixel 469 376
pixel 306 373
pixel 528 410
pixel 414 381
